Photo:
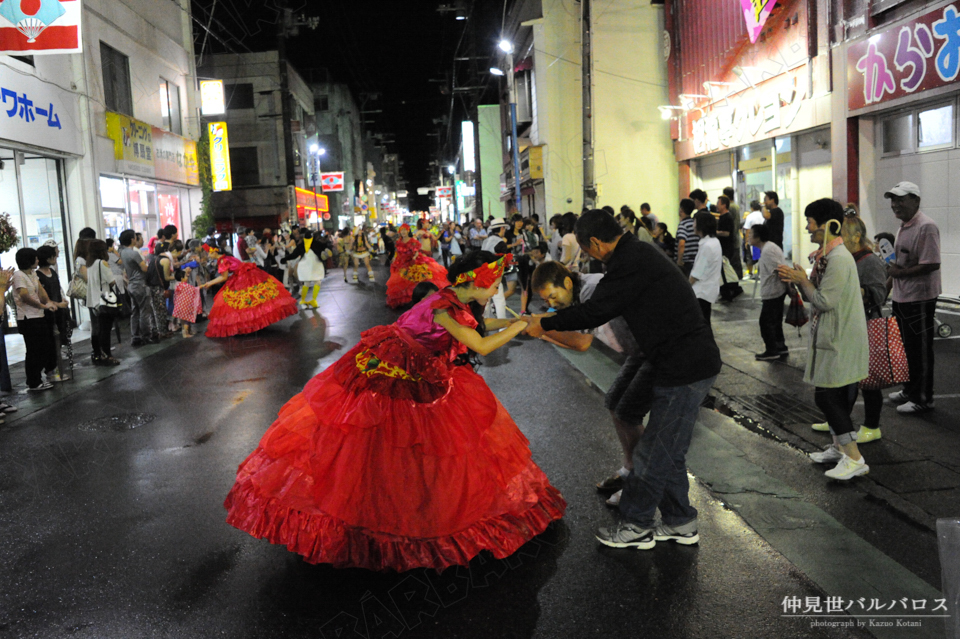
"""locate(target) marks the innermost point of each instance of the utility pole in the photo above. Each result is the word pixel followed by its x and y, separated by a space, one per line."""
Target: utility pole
pixel 513 129
pixel 286 26
pixel 589 187
pixel 289 26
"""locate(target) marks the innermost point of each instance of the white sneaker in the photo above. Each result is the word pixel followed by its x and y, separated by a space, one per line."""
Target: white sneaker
pixel 831 454
pixel 848 469
pixel 42 387
pixel 614 499
pixel 913 408
pixel 822 427
pixel 899 397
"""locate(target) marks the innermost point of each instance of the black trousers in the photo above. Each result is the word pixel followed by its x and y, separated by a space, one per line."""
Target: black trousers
pixel 100 325
pixel 836 404
pixel 41 354
pixel 917 330
pixel 771 325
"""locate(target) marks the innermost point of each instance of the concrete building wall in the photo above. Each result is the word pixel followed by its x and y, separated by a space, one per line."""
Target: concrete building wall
pixel 558 109
pixel 634 157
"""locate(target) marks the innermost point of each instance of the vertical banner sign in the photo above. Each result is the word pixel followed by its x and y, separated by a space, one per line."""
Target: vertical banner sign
pixel 39 27
pixel 756 12
pixel 220 156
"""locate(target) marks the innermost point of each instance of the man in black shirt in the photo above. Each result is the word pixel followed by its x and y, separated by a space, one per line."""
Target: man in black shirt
pixel 659 306
pixel 727 234
pixel 774 217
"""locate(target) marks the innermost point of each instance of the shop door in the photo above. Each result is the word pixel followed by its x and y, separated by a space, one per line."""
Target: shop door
pixel 714 174
pixel 31 194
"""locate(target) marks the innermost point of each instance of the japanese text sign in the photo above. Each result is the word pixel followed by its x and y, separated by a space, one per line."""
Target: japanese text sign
pixel 915 56
pixel 39 27
pixel 773 108
pixel 132 144
pixel 38 113
pixel 755 13
pixel 175 158
pixel 220 156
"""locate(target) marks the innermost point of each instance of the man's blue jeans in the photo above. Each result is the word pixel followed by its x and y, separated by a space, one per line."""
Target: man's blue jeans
pixel 659 477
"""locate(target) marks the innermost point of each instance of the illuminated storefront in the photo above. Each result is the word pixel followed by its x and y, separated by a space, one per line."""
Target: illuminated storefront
pixel 156 182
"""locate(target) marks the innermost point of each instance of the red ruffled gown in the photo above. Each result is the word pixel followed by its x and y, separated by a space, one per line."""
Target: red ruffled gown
pixel 249 300
pixel 410 267
pixel 395 458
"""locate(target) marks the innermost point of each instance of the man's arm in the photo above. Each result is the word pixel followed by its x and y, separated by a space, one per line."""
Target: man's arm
pixel 572 340
pixel 681 245
pixel 899 272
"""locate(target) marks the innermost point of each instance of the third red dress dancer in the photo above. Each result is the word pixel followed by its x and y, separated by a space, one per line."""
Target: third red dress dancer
pixel 250 300
pixel 411 266
pixel 398 456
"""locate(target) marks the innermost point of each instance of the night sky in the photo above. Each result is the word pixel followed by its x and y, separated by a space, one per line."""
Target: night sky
pixel 391 48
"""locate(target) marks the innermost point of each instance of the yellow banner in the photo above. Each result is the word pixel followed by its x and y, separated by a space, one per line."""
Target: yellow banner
pixel 220 156
pixel 132 144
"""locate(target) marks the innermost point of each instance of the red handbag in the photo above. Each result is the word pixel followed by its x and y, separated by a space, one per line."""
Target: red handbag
pixel 888 359
pixel 796 313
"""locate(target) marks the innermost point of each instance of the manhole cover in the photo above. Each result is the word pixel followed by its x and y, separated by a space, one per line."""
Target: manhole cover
pixel 117 423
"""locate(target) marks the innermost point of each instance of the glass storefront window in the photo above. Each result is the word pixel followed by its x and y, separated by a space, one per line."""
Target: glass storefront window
pixel 30 192
pixel 936 127
pixel 113 201
pixel 168 203
pixel 143 208
pixel 10 202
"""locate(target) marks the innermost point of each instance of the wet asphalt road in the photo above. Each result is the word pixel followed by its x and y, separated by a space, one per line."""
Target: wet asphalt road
pixel 118 531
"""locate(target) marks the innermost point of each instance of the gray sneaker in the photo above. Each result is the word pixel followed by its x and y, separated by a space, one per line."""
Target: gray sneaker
pixel 830 455
pixel 685 534
pixel 626 535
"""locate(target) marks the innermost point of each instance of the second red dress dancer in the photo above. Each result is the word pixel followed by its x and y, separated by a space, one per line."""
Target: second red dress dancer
pixel 398 456
pixel 411 266
pixel 250 300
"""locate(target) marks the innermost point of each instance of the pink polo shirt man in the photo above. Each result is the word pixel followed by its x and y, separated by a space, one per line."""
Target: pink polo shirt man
pixel 918 242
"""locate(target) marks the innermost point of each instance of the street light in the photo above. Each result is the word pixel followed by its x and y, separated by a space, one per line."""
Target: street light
pixel 451 169
pixel 496 70
pixel 507 48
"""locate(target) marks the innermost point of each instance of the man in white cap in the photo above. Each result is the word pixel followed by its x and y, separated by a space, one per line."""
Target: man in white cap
pixel 495 235
pixel 916 287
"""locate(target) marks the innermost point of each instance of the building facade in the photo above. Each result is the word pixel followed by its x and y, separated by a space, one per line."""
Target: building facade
pixel 896 63
pixel 631 148
pixel 261 196
pixel 752 111
pixel 339 134
pixel 104 139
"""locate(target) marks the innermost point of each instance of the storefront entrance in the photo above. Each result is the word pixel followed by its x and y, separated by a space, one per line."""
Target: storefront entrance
pixel 31 192
pixel 142 206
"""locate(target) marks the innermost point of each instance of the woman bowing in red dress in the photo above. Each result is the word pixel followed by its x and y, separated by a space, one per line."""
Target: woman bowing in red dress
pixel 398 456
pixel 410 267
pixel 250 300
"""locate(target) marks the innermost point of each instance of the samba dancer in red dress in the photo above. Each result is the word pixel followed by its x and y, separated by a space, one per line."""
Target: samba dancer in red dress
pixel 411 266
pixel 249 301
pixel 398 456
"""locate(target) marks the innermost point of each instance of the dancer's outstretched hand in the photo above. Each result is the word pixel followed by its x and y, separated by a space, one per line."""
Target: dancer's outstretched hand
pixel 533 326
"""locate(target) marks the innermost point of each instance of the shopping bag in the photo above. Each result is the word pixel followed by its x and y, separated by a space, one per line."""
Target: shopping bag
pixel 888 359
pixel 796 313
